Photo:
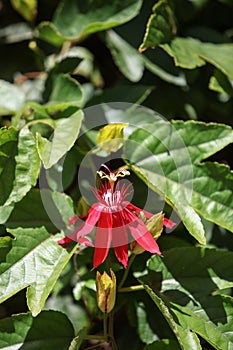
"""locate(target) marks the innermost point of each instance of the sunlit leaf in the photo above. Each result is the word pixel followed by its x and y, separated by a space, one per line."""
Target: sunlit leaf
pixel 65 134
pixel 110 137
pixel 192 53
pixel 26 8
pixel 35 261
pixel 9 105
pixel 167 159
pixel 19 175
pixel 128 60
pixel 74 20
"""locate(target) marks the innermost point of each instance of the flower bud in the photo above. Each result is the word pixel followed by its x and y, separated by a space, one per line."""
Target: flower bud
pixel 106 291
pixel 154 226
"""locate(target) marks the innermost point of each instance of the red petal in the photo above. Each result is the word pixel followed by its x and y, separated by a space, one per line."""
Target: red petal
pixel 121 253
pixel 142 235
pixel 120 238
pixel 168 223
pixel 86 241
pixel 92 218
pixel 103 238
pixel 64 240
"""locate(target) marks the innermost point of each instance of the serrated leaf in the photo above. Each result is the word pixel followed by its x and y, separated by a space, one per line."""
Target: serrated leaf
pixel 20 173
pixel 127 59
pixel 26 8
pixel 49 330
pixel 192 53
pixel 65 135
pixel 35 262
pixel 74 20
pixel 167 159
pixel 161 26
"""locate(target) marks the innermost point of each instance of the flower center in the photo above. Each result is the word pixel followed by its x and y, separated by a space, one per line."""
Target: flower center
pixel 112 200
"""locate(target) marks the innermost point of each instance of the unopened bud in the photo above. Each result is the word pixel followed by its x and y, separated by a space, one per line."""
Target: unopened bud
pixel 154 226
pixel 106 291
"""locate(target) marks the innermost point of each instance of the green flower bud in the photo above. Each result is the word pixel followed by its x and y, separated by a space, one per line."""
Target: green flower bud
pixel 106 291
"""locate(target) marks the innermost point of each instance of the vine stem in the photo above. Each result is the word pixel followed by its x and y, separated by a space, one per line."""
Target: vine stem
pixel 125 275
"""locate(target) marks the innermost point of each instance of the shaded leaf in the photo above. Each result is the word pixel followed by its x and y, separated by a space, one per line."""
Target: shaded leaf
pixel 35 261
pixel 43 207
pixel 74 19
pixel 189 278
pixel 192 53
pixel 161 26
pixel 49 330
pixel 165 344
pixel 64 137
pixel 187 339
pixel 127 59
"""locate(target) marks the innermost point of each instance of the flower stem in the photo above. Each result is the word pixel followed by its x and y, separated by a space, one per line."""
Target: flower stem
pixel 131 289
pixel 131 260
pixel 105 326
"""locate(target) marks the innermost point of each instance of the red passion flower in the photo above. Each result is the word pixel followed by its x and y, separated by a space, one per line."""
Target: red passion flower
pixel 115 218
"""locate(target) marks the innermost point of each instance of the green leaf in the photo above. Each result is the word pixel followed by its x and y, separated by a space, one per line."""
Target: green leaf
pixel 187 340
pixel 124 93
pixel 19 171
pixel 49 330
pixel 77 341
pixel 220 83
pixel 46 208
pixel 35 261
pixel 8 103
pixel 192 53
pixel 26 8
pixel 179 80
pixel 60 68
pixel 111 136
pixel 127 59
pixel 74 19
pixel 65 135
pixel 66 91
pixel 165 344
pixel 187 279
pixel 167 159
pixel 161 26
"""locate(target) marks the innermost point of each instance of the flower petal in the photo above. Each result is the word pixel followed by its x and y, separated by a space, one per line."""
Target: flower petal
pixel 103 238
pixel 168 223
pixel 141 234
pixel 65 240
pixel 121 253
pixel 120 238
pixel 92 218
